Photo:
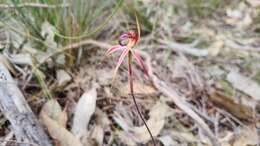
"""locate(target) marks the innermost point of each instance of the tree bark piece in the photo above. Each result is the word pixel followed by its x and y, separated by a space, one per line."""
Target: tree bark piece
pixel 27 129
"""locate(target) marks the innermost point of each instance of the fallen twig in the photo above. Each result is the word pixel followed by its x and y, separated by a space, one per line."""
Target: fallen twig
pixel 184 48
pixel 32 5
pixel 234 45
pixel 75 46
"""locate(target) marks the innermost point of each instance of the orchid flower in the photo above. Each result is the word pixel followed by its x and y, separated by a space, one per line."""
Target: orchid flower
pixel 131 38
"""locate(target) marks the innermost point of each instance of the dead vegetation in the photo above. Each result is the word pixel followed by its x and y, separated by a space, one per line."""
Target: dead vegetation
pixel 203 89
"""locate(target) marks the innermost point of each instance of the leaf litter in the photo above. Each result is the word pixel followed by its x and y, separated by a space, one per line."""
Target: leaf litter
pixel 215 73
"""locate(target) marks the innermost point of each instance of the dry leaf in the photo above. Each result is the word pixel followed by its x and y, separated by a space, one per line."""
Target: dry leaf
pixel 254 3
pixel 60 59
pixel 167 140
pixel 53 109
pixel 139 88
pixel 184 136
pixel 63 118
pixel 235 14
pixel 8 65
pixel 48 31
pixel 58 132
pixel 122 121
pixel 126 138
pixel 21 58
pixel 83 112
pixel 63 77
pixel 17 39
pixel 98 134
pixel 216 47
pixel 248 136
pixel 102 118
pixel 141 134
pixel 160 111
pixel 104 76
pixel 244 84
pixel 226 138
pixel 155 123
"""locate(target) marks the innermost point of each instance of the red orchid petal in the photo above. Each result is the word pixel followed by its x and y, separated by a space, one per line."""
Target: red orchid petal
pixel 114 49
pixel 140 62
pixel 120 60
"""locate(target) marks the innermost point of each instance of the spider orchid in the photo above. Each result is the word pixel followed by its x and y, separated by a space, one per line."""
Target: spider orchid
pixel 131 38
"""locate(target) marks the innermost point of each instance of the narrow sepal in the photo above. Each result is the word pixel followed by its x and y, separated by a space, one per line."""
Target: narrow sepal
pixel 120 60
pixel 114 49
pixel 140 62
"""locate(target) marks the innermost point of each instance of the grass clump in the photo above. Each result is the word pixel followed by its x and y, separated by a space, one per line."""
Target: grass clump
pixel 72 19
pixel 202 8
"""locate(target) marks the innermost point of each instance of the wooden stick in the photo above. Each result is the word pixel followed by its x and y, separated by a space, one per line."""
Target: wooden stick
pixel 32 5
pixel 184 48
pixel 24 123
